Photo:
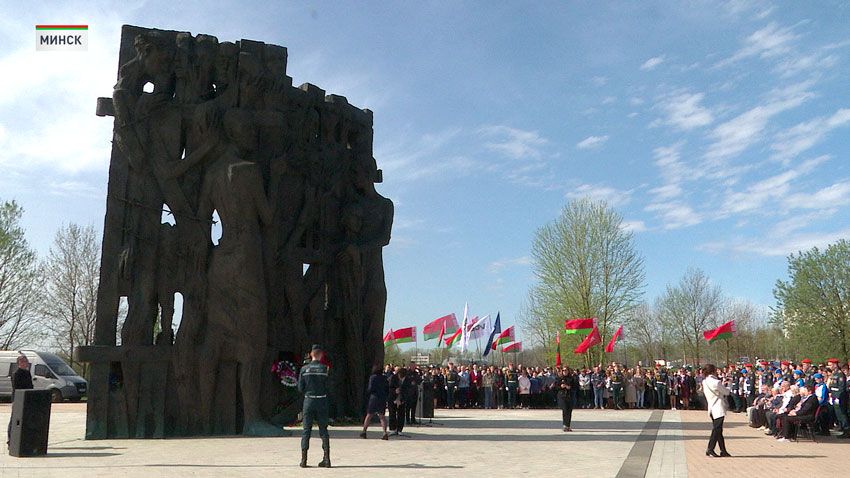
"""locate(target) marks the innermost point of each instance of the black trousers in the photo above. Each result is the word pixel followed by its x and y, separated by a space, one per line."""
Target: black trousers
pixel 411 411
pixel 566 404
pixel 400 413
pixel 717 435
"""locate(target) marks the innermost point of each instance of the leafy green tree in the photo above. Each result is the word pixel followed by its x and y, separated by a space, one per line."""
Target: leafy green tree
pixel 815 302
pixel 20 282
pixel 587 266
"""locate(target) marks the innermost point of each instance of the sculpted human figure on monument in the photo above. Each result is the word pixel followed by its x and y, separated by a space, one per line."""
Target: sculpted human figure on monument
pixel 237 318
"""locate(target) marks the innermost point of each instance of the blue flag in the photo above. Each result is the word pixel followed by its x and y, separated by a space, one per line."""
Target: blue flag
pixel 497 329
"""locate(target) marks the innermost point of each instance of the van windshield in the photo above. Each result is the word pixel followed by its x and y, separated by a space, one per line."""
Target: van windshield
pixel 60 368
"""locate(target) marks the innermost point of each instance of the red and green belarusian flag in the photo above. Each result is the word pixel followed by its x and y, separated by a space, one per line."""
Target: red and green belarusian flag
pixel 400 336
pixel 405 335
pixel 725 331
pixel 592 339
pixel 455 338
pixel 388 338
pixel 445 325
pixel 579 326
pixel 514 347
pixel 507 336
pixel 610 347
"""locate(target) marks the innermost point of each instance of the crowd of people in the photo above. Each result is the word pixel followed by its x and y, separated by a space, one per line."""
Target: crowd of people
pixel 773 395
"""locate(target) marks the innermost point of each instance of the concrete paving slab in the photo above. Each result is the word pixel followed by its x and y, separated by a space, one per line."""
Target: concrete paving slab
pixel 507 442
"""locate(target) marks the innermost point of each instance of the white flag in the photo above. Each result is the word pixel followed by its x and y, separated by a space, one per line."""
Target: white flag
pixel 480 328
pixel 463 326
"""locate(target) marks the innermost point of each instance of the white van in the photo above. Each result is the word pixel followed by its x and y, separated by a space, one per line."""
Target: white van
pixel 48 371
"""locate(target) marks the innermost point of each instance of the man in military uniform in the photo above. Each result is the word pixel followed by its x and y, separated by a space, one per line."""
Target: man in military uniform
pixel 511 385
pixel 451 386
pixel 734 378
pixel 750 385
pixel 661 388
pixel 766 375
pixel 617 382
pixel 786 371
pixel 808 373
pixel 313 383
pixel 837 385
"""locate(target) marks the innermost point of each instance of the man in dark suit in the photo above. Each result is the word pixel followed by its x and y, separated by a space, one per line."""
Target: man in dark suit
pixel 803 412
pixel 21 380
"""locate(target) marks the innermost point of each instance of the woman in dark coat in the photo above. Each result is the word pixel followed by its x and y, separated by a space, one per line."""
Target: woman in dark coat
pixel 378 391
pixel 565 386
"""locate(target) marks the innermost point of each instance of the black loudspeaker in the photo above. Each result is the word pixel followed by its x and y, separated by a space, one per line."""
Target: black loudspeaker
pixel 419 402
pixel 425 405
pixel 30 423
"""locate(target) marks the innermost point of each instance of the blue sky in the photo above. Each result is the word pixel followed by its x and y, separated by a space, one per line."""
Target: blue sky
pixel 718 129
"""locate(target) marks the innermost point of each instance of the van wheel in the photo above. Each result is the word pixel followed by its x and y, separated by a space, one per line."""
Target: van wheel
pixel 56 395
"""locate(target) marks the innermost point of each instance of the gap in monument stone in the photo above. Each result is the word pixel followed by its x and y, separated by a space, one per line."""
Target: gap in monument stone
pixel 167 217
pixel 148 88
pixel 178 312
pixel 215 228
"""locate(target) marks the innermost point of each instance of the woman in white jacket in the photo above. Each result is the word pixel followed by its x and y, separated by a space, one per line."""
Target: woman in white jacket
pixel 715 395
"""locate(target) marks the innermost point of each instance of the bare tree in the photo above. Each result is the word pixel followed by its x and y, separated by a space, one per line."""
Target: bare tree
pixel 645 328
pixel 20 282
pixel 691 307
pixel 71 288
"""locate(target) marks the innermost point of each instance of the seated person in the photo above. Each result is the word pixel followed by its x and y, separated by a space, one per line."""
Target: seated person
pixel 779 407
pixel 755 413
pixel 804 411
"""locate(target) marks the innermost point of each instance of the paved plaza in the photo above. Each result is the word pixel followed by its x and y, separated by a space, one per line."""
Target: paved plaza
pixel 628 443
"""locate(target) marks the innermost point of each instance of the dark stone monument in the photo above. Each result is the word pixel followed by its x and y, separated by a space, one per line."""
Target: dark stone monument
pixel 204 127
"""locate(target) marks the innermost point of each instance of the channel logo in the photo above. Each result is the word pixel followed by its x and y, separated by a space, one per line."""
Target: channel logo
pixel 61 37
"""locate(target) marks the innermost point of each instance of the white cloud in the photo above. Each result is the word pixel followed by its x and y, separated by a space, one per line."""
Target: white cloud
pixel 739 133
pixel 668 191
pixel 805 64
pixel 634 226
pixel 770 41
pixel 684 111
pixel 608 100
pixel 514 143
pixel 47 104
pixel 668 160
pixel 592 142
pixel 496 267
pixel 675 214
pixel 599 80
pixel 774 187
pixel 414 158
pixel 614 197
pixel 837 194
pixel 778 245
pixel 652 63
pixel 805 135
